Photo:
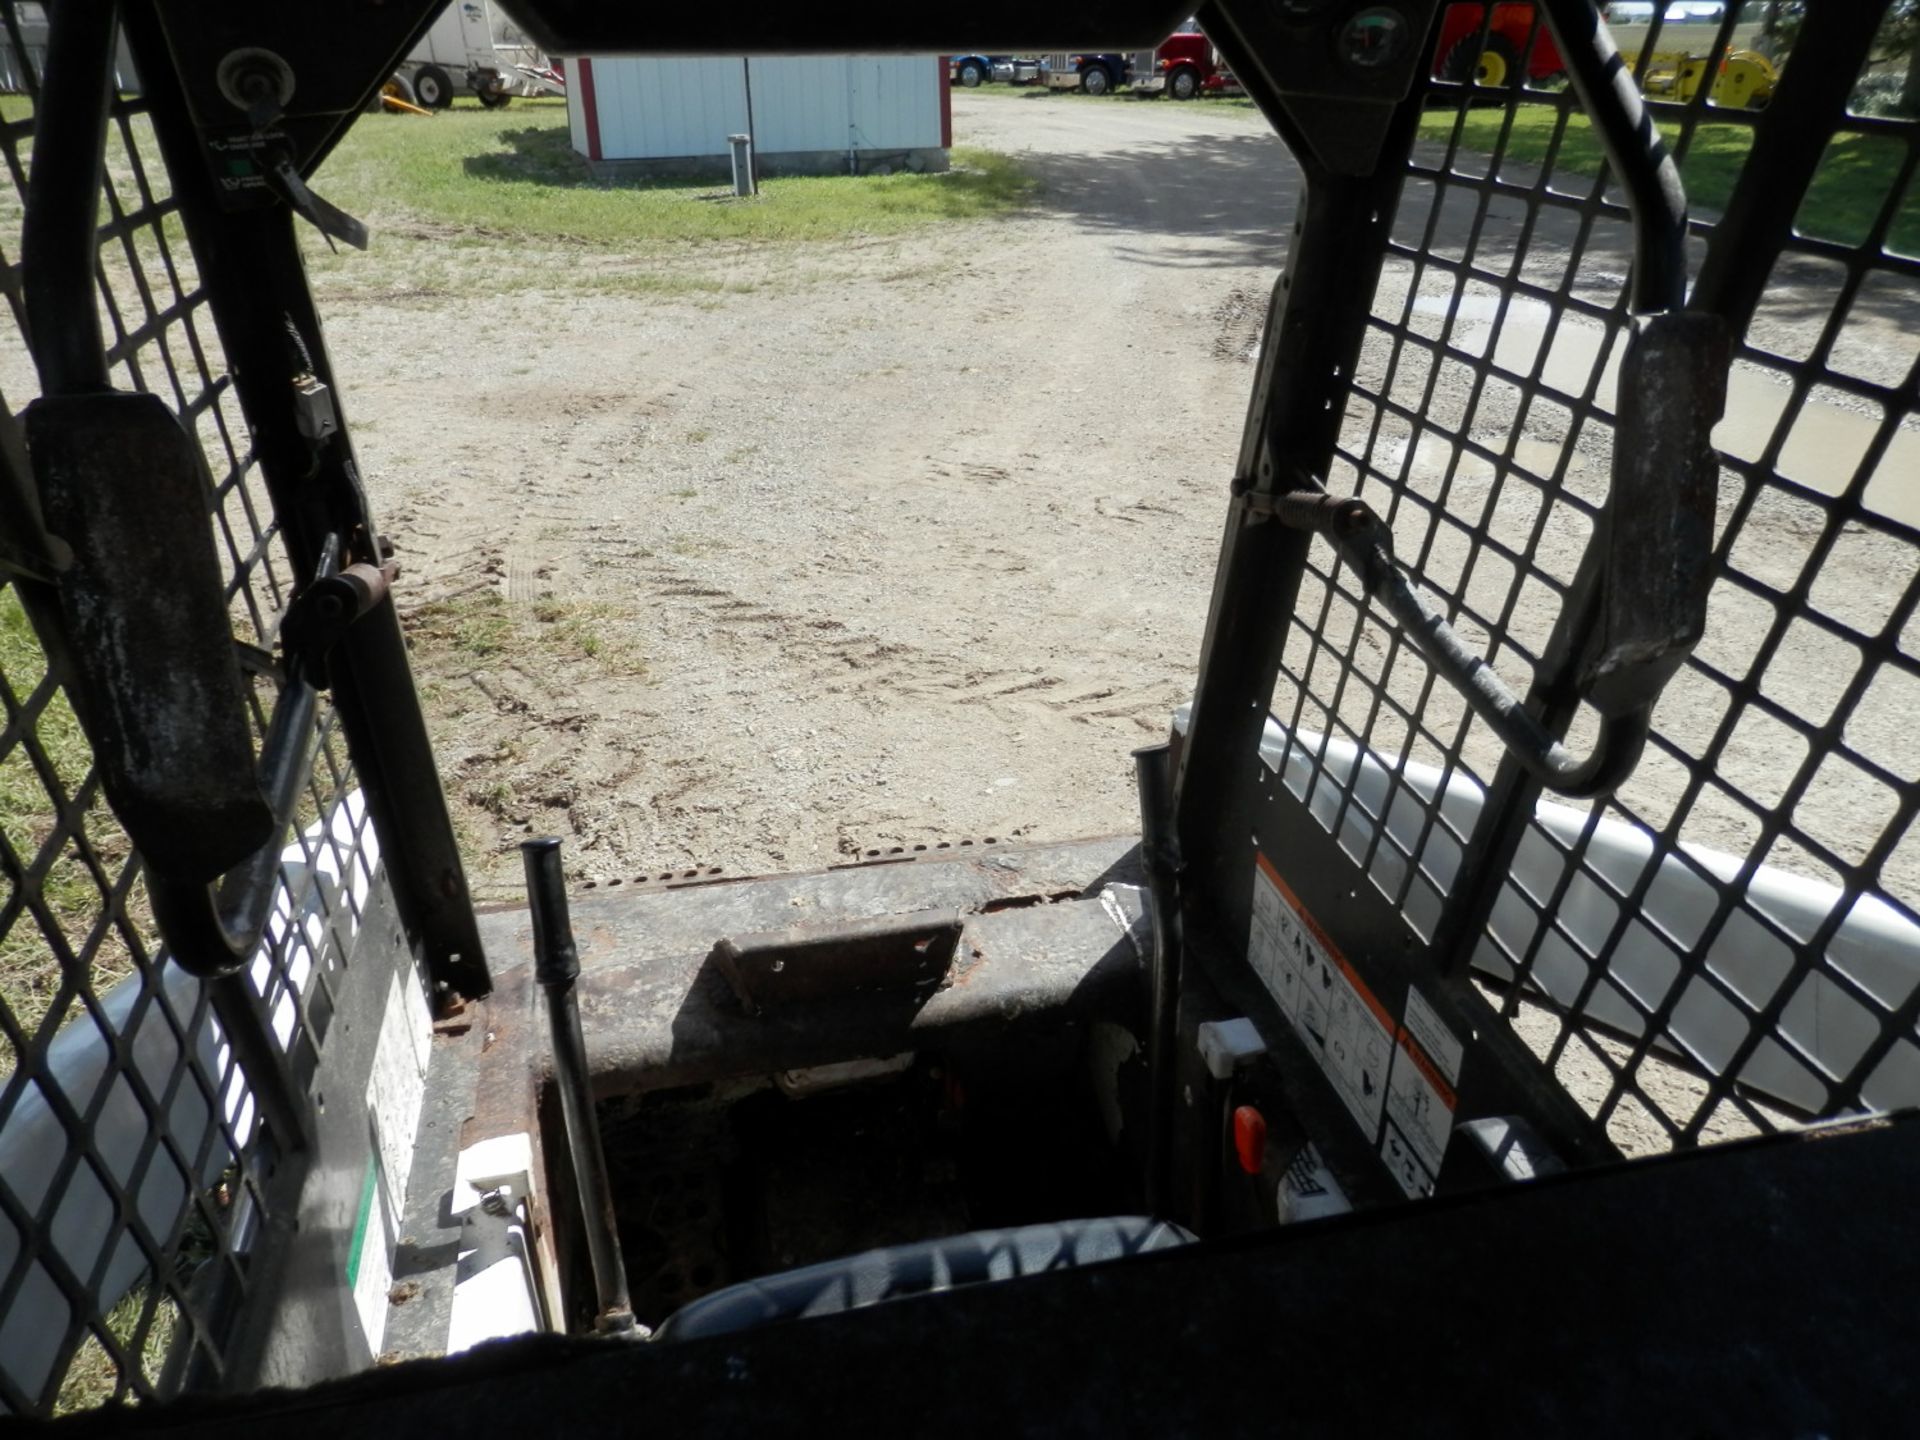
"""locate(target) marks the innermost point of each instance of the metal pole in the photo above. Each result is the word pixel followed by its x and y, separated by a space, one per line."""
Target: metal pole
pixel 556 965
pixel 1153 768
pixel 63 199
pixel 753 136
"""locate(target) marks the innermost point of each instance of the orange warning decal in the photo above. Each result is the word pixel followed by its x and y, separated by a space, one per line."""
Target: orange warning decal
pixel 1428 1070
pixel 1334 953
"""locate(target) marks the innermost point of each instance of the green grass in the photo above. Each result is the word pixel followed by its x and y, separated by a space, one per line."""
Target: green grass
pixel 484 628
pixel 591 629
pixel 1842 204
pixel 513 174
pixel 30 975
pixel 474 627
pixel 93 1378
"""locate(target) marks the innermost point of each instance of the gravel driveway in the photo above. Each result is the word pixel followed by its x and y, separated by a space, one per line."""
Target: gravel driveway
pixel 910 541
pixel 900 541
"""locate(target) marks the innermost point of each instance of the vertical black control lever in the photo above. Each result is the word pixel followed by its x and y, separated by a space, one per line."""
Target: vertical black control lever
pixel 556 965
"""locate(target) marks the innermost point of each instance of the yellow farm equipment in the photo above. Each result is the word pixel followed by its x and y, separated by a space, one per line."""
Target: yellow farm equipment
pixel 1745 79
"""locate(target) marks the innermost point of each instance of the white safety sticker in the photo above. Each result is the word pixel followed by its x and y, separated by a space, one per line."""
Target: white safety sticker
pixel 1443 1047
pixel 1421 1102
pixel 1345 1028
pixel 1405 1165
pixel 396 1092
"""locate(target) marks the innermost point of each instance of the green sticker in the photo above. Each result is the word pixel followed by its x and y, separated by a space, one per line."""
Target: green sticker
pixel 360 1225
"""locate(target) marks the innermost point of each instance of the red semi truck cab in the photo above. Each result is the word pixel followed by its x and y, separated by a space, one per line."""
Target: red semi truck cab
pixel 1186 64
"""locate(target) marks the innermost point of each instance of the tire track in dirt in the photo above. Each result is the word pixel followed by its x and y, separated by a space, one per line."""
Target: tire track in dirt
pixel 892 556
pixel 634 802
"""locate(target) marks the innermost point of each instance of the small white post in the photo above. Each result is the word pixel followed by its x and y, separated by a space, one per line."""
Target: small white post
pixel 742 164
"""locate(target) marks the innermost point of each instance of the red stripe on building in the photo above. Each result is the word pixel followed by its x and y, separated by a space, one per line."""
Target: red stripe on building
pixel 589 109
pixel 946 104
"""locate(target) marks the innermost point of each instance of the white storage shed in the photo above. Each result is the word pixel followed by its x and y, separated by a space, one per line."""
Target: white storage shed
pixel 807 114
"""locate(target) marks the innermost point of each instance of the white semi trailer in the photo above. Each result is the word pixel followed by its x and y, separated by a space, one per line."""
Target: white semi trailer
pixel 476 49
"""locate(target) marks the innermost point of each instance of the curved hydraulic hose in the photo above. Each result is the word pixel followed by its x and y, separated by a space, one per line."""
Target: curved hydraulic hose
pixel 1679 386
pixel 1366 546
pixel 1622 737
pixel 63 199
pixel 1635 153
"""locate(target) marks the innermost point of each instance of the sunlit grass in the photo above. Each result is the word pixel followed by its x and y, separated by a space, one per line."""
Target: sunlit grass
pixel 513 175
pixel 1842 204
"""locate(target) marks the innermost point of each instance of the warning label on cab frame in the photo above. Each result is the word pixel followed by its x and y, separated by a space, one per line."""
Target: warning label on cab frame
pixel 1346 1029
pixel 1420 1097
pixel 1398 1079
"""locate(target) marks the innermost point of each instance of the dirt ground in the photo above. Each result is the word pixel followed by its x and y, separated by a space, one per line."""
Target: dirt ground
pixel 919 553
pixel 912 539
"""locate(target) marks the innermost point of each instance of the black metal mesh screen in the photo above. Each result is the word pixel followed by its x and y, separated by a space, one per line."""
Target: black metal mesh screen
pixel 1731 942
pixel 135 1168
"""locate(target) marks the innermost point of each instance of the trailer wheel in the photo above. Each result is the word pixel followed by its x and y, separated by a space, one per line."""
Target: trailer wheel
pixel 1095 80
pixel 1496 67
pixel 494 99
pixel 397 87
pixel 970 74
pixel 1184 83
pixel 432 88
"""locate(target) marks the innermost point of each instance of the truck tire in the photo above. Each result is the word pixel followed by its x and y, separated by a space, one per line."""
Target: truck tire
pixel 971 75
pixel 432 88
pixel 1184 83
pixel 1095 80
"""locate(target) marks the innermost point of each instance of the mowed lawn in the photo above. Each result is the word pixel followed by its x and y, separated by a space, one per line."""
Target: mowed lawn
pixel 514 172
pixel 1847 198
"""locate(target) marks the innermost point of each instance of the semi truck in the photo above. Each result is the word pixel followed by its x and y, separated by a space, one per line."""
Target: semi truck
pixel 1186 65
pixel 474 48
pixel 1094 72
pixel 976 69
pixel 1472 45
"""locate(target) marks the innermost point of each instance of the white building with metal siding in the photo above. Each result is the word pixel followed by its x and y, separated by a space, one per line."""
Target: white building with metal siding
pixel 813 113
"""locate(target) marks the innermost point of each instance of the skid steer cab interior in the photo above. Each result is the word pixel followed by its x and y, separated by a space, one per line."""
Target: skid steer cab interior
pixel 1503 1019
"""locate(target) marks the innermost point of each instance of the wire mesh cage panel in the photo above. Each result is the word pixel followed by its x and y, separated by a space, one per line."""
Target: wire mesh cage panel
pixel 136 1165
pixel 1729 943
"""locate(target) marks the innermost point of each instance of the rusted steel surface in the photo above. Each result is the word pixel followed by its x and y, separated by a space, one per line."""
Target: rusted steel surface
pixel 659 1011
pixel 903 957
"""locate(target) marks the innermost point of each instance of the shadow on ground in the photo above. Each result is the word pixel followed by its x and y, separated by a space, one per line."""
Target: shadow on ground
pixel 1232 196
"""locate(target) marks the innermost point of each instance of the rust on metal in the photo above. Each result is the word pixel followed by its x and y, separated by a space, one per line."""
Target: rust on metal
pixel 893 956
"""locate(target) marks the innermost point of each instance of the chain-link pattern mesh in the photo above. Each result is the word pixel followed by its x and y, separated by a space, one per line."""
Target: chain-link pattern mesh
pixel 134 1164
pixel 1729 944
